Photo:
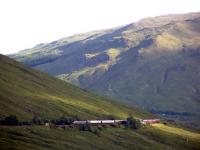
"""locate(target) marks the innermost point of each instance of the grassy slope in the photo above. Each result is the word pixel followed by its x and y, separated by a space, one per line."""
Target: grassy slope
pixel 177 131
pixel 25 92
pixel 110 138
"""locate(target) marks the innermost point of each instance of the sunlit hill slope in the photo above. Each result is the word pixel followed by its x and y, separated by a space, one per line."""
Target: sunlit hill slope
pixel 27 93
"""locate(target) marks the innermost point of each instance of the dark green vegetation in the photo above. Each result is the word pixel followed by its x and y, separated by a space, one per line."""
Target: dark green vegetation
pixel 27 93
pixel 152 64
pixel 133 123
pixel 13 121
pixel 30 94
pixel 9 120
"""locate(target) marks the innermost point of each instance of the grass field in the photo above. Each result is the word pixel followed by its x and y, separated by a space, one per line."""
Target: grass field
pixel 43 138
pixel 177 131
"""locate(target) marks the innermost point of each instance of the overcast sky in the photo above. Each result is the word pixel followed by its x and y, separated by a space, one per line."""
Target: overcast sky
pixel 26 23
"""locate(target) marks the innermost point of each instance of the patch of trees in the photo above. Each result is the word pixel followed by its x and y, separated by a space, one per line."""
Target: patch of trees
pixel 13 120
pixel 90 128
pixel 63 121
pixel 133 123
pixel 84 127
pixel 10 120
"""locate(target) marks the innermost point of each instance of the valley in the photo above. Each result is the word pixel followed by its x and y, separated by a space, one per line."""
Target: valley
pixel 152 64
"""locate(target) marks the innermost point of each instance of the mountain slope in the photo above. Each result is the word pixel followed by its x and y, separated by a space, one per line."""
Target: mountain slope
pixel 152 64
pixel 27 93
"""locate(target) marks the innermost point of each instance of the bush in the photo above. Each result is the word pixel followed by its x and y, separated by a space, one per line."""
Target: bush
pixel 133 123
pixel 11 120
pixel 64 121
pixel 22 123
pixel 85 127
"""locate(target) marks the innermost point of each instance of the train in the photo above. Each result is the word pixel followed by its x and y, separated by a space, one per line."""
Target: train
pixel 100 122
pixel 95 122
pixel 150 121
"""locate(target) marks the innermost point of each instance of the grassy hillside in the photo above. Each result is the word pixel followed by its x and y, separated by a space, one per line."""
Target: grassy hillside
pixel 152 64
pixel 149 138
pixel 26 93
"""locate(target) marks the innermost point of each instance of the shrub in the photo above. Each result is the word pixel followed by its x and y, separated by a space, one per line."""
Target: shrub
pixel 133 123
pixel 21 123
pixel 11 120
pixel 64 121
pixel 85 127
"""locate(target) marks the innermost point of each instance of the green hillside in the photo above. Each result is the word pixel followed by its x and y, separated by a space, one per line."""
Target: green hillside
pixel 27 93
pixel 152 64
pixel 151 138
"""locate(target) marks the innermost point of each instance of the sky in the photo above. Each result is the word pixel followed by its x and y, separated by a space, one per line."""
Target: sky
pixel 26 23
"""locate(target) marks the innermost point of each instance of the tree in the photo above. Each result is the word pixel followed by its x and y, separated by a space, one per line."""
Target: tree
pixel 82 127
pixel 85 127
pixel 133 123
pixel 11 120
pixel 64 121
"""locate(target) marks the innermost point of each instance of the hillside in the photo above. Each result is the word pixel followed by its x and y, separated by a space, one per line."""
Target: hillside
pixel 27 93
pixel 152 64
pixel 150 138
